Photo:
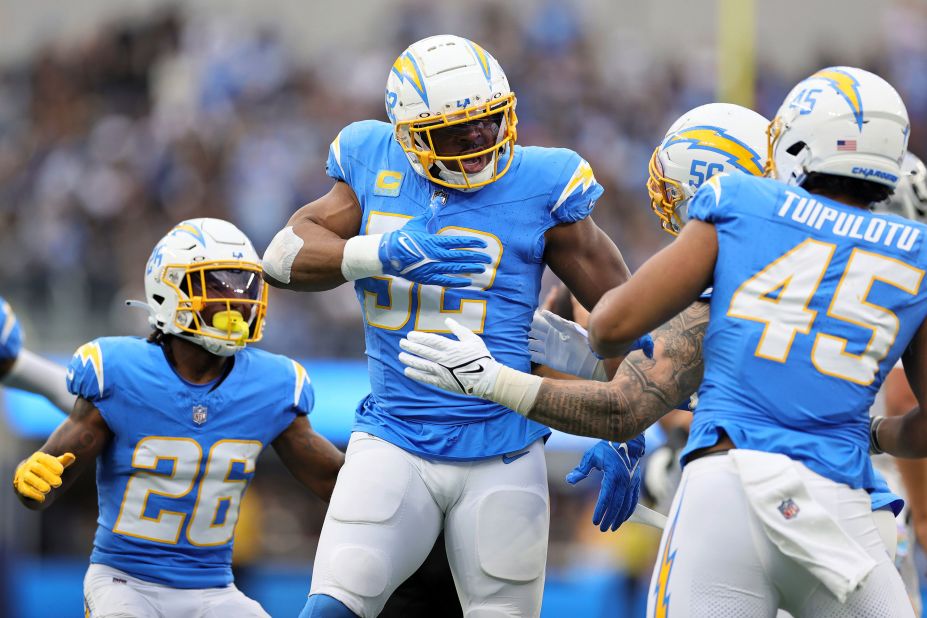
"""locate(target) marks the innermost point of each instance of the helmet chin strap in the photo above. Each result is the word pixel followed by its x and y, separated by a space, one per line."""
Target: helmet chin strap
pixel 213 346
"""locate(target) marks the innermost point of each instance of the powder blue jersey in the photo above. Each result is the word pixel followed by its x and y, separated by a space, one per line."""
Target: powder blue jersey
pixel 543 187
pixel 11 336
pixel 813 303
pixel 170 481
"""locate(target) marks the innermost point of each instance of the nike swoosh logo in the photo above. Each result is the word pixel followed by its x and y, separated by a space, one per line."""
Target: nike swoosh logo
pixel 70 374
pixel 409 245
pixel 479 369
pixel 506 459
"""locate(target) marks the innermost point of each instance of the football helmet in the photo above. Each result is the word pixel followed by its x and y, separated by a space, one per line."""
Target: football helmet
pixel 203 283
pixel 842 121
pixel 713 138
pixel 910 196
pixel 444 86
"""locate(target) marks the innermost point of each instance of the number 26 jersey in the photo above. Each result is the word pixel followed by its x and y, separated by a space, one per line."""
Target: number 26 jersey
pixel 171 479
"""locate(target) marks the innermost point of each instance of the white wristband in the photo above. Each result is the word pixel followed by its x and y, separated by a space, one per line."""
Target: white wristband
pixel 362 257
pixel 515 389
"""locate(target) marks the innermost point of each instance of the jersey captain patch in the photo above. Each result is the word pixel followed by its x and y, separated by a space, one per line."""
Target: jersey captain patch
pixel 388 183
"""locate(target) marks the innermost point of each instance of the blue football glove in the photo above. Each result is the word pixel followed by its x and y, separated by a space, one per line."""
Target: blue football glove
pixel 621 479
pixel 11 337
pixel 432 259
pixel 644 344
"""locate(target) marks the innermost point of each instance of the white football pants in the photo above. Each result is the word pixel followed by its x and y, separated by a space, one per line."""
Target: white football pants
pixel 389 506
pixel 111 593
pixel 717 560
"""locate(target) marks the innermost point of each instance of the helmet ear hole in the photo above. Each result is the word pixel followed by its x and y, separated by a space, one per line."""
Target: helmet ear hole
pixel 795 148
pixel 158 298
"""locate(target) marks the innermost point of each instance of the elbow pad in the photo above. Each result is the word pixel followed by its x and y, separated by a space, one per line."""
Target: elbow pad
pixel 281 253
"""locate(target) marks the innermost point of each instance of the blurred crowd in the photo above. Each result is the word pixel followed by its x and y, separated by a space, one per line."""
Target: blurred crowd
pixel 107 142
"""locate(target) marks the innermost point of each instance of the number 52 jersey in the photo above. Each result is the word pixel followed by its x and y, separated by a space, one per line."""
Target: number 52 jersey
pixel 813 303
pixel 542 188
pixel 171 479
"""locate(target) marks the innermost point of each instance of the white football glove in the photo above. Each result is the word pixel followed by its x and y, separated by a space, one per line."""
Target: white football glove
pixel 463 365
pixel 563 346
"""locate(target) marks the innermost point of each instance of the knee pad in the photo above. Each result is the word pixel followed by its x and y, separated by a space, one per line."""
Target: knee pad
pixel 511 534
pixel 359 570
pixel 324 606
pixel 371 486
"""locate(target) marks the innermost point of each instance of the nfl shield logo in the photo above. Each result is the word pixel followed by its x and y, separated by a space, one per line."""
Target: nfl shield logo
pixel 199 414
pixel 788 508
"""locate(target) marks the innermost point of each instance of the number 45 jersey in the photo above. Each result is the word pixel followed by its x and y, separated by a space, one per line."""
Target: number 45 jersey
pixel 171 479
pixel 542 188
pixel 814 301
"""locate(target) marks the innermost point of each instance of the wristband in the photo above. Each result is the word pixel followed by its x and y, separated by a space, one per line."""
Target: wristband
pixel 361 257
pixel 515 389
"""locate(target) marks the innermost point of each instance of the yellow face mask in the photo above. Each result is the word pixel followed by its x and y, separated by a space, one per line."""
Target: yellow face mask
pixel 417 138
pixel 773 133
pixel 665 196
pixel 225 299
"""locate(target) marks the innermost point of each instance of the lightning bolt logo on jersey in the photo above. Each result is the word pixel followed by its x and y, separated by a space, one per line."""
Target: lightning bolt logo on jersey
pixel 804 324
pixel 170 482
pixel 543 187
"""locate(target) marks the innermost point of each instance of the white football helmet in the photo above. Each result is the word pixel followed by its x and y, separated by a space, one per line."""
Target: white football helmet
pixel 446 81
pixel 842 121
pixel 707 140
pixel 203 283
pixel 910 196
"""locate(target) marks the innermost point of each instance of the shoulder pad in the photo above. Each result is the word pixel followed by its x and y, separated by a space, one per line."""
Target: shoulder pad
pixel 354 145
pixel 11 336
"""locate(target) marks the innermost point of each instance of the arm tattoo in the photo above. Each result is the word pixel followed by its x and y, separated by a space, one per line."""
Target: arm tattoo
pixel 641 392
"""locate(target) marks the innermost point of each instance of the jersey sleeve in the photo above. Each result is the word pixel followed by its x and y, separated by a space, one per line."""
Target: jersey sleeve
pixel 334 166
pixel 714 200
pixel 303 394
pixel 11 336
pixel 576 191
pixel 85 373
pixel 346 154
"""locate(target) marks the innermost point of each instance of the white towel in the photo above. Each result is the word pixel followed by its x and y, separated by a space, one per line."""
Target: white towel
pixel 797 524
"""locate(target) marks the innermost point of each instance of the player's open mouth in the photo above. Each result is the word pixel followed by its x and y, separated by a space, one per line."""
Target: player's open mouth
pixel 475 165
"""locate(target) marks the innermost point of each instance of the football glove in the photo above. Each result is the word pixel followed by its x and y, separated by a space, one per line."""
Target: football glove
pixel 431 259
pixel 463 365
pixel 37 475
pixel 621 479
pixel 564 346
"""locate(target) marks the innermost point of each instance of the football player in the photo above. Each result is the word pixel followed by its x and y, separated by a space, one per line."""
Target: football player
pixel 439 213
pixel 20 368
pixel 823 169
pixel 175 423
pixel 814 300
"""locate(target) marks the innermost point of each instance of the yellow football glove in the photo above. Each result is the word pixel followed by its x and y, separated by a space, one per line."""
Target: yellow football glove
pixel 36 476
